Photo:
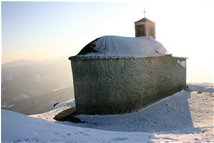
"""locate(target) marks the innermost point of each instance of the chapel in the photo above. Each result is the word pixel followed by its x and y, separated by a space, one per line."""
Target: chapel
pixel 116 74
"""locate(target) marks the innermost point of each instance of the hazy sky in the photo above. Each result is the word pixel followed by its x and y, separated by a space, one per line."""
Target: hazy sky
pixel 42 30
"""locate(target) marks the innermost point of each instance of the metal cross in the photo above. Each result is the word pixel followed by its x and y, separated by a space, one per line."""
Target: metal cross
pixel 144 12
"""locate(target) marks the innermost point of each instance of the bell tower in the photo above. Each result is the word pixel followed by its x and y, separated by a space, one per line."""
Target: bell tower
pixel 144 27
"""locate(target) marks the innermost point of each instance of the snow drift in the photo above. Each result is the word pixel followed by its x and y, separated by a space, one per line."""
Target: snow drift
pixel 166 121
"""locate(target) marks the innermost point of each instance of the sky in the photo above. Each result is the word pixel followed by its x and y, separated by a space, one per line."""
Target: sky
pixel 45 30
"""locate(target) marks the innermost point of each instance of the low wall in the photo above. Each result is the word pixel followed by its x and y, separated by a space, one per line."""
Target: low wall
pixel 109 85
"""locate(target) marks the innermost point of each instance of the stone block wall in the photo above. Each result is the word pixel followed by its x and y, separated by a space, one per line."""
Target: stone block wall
pixel 110 85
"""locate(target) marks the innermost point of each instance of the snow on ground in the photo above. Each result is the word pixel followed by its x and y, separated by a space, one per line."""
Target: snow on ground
pixel 202 87
pixel 19 128
pixel 182 117
pixel 56 110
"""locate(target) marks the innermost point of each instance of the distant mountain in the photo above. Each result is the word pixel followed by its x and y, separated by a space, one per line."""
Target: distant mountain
pixel 29 87
pixel 43 103
pixel 18 63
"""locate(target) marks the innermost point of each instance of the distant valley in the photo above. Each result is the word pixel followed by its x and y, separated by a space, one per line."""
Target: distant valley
pixel 34 87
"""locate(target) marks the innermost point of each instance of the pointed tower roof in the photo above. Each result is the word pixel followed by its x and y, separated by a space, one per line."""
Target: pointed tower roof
pixel 144 20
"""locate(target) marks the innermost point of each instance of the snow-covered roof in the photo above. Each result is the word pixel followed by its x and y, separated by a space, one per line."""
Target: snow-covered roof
pixel 123 46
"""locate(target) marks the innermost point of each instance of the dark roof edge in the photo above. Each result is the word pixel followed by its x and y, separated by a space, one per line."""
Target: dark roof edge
pixel 180 57
pixel 119 57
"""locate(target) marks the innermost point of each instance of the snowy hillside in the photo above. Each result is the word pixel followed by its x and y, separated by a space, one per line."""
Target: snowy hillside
pixel 182 117
pixel 42 85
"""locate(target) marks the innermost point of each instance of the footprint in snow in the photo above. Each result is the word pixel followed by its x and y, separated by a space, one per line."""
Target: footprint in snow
pixel 119 139
pixel 68 134
pixel 83 133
